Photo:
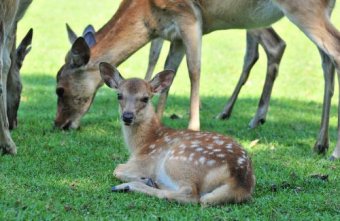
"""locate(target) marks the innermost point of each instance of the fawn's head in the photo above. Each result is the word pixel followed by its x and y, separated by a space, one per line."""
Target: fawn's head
pixel 77 82
pixel 134 95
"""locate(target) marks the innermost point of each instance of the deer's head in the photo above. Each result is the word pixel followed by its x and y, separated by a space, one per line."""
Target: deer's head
pixel 77 82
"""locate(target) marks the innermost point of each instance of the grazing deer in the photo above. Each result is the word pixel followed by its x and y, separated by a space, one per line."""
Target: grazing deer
pixel 11 11
pixel 184 22
pixel 183 165
pixel 274 48
pixel 14 85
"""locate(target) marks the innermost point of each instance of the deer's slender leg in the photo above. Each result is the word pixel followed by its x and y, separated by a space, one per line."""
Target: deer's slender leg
pixel 155 50
pixel 185 194
pixel 250 59
pixel 7 146
pixel 173 60
pixel 317 26
pixel 322 142
pixel 336 152
pixel 191 32
pixel 274 47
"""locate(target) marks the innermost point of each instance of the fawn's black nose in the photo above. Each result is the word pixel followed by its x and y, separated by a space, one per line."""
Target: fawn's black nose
pixel 128 117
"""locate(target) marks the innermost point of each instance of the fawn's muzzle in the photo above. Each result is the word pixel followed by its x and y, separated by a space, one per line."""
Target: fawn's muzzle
pixel 127 117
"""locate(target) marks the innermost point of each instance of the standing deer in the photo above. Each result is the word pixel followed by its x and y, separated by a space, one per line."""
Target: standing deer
pixel 181 165
pixel 184 22
pixel 11 11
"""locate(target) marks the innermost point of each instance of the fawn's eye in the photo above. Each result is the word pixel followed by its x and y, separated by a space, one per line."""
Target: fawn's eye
pixel 119 96
pixel 145 99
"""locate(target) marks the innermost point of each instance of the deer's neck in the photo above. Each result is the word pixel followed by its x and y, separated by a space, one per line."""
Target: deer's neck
pixel 142 133
pixel 125 33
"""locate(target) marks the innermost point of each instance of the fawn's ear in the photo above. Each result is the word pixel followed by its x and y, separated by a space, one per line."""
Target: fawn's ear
pixel 72 36
pixel 162 81
pixel 110 75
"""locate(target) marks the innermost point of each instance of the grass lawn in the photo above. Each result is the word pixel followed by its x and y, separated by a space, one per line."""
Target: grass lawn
pixel 67 175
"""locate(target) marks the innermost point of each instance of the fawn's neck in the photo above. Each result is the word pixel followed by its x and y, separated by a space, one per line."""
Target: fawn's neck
pixel 142 133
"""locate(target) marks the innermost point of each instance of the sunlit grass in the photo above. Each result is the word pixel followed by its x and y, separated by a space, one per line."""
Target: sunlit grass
pixel 68 175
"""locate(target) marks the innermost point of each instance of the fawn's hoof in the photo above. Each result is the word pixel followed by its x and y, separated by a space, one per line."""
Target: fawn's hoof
pixel 120 190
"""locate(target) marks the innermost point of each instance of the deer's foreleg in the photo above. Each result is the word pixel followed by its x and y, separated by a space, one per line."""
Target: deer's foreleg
pixel 191 33
pixel 172 62
pixel 7 146
pixel 185 194
pixel 155 50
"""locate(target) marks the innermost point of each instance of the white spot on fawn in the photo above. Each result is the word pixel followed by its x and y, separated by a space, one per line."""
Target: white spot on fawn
pixel 211 162
pixel 202 160
pixel 167 139
pixel 217 150
pixel 229 146
pixel 221 155
pixel 240 161
pixel 199 149
pixel 219 142
pixel 152 146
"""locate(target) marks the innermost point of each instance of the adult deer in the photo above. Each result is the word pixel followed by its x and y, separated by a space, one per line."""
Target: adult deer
pixel 11 11
pixel 183 22
pixel 216 168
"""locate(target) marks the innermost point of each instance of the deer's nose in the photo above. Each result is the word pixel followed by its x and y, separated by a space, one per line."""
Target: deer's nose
pixel 128 117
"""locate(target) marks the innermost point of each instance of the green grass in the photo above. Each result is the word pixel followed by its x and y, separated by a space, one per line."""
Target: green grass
pixel 67 175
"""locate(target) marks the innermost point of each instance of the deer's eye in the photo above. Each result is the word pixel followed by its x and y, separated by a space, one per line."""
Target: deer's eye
pixel 119 96
pixel 145 99
pixel 60 91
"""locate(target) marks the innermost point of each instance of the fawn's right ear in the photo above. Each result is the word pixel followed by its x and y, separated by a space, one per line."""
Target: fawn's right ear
pixel 162 81
pixel 72 36
pixel 110 75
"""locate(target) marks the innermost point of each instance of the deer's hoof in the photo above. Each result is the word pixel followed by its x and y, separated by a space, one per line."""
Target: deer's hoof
pixel 120 190
pixel 321 148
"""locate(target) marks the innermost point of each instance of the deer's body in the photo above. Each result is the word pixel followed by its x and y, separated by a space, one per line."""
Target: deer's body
pixel 187 166
pixel 183 22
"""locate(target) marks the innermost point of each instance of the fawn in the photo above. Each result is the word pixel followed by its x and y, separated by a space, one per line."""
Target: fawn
pixel 180 165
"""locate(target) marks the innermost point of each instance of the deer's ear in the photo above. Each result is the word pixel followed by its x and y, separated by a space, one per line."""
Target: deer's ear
pixel 162 81
pixel 89 28
pixel 80 53
pixel 110 75
pixel 24 48
pixel 72 36
pixel 90 39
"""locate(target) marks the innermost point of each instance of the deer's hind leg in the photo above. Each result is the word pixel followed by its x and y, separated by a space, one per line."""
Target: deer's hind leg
pixel 155 50
pixel 313 19
pixel 250 58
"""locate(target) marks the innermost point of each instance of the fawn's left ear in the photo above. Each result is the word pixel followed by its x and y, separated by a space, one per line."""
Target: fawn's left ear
pixel 110 75
pixel 162 81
